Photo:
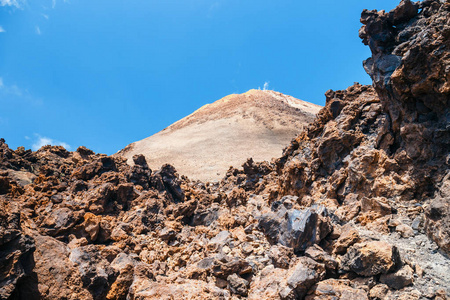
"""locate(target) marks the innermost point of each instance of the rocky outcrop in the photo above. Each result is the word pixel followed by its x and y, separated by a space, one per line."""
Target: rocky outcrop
pixel 344 213
pixel 16 255
pixel 375 150
pixel 410 71
pixel 437 215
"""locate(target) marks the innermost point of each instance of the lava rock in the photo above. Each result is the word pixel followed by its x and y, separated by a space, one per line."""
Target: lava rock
pixel 399 279
pixel 16 260
pixel 281 256
pixel 437 216
pixel 96 273
pixel 371 258
pixel 348 237
pixel 238 285
pixel 316 253
pixel 301 277
pixel 297 229
pixel 335 289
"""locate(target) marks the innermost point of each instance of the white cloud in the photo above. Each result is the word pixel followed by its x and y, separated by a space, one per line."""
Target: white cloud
pixel 14 3
pixel 266 86
pixel 1 82
pixel 45 16
pixel 38 30
pixel 2 29
pixel 43 141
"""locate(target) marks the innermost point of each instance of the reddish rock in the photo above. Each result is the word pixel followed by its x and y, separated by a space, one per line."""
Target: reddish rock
pixel 399 279
pixel 371 258
pixel 301 277
pixel 348 237
pixel 80 225
pixel 335 289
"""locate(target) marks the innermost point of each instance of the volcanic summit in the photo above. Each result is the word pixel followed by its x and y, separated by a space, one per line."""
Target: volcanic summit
pixel 203 145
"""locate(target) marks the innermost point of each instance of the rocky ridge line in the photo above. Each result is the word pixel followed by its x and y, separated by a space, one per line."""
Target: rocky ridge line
pixel 356 208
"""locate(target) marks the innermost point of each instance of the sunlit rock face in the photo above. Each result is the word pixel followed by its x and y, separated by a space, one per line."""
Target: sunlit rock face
pixel 357 207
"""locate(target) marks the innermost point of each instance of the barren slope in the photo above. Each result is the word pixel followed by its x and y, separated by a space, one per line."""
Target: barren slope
pixel 203 145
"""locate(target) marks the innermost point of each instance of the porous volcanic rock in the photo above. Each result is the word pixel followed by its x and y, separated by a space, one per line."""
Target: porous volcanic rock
pixel 371 258
pixel 357 207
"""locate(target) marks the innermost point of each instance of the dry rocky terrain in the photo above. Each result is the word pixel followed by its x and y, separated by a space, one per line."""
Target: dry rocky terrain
pixel 357 207
pixel 203 145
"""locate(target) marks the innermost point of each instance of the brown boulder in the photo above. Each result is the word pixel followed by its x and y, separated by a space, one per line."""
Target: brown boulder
pixel 119 289
pixel 238 285
pixel 336 289
pixel 319 255
pixel 371 258
pixel 348 237
pixel 437 216
pixel 373 208
pixel 58 276
pixel 379 292
pixel 399 279
pixel 301 277
pixel 267 284
pixel 281 256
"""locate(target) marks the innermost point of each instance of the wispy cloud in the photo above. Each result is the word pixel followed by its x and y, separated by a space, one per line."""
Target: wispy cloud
pixel 13 92
pixel 13 3
pixel 35 8
pixel 212 9
pixel 266 86
pixel 43 141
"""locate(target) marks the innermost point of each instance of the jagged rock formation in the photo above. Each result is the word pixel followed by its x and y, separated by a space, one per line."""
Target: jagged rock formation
pixel 203 145
pixel 356 208
pixel 391 144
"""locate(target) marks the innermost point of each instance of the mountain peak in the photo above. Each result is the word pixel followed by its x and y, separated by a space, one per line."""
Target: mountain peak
pixel 257 124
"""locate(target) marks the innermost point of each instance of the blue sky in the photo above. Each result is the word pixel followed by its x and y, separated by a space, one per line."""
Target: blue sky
pixel 105 73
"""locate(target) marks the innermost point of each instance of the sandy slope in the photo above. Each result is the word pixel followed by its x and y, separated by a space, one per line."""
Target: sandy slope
pixel 203 145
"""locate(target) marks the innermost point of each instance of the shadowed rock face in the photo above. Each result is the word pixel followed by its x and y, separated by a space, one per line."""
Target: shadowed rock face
pixel 356 208
pixel 16 255
pixel 391 142
pixel 409 68
pixel 415 89
pixel 203 145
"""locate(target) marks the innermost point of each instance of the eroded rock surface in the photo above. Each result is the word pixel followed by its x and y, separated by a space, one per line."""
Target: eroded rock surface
pixel 356 208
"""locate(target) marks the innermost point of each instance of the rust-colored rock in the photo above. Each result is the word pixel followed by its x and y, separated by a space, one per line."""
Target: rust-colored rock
pixel 336 289
pixel 371 258
pixel 363 183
